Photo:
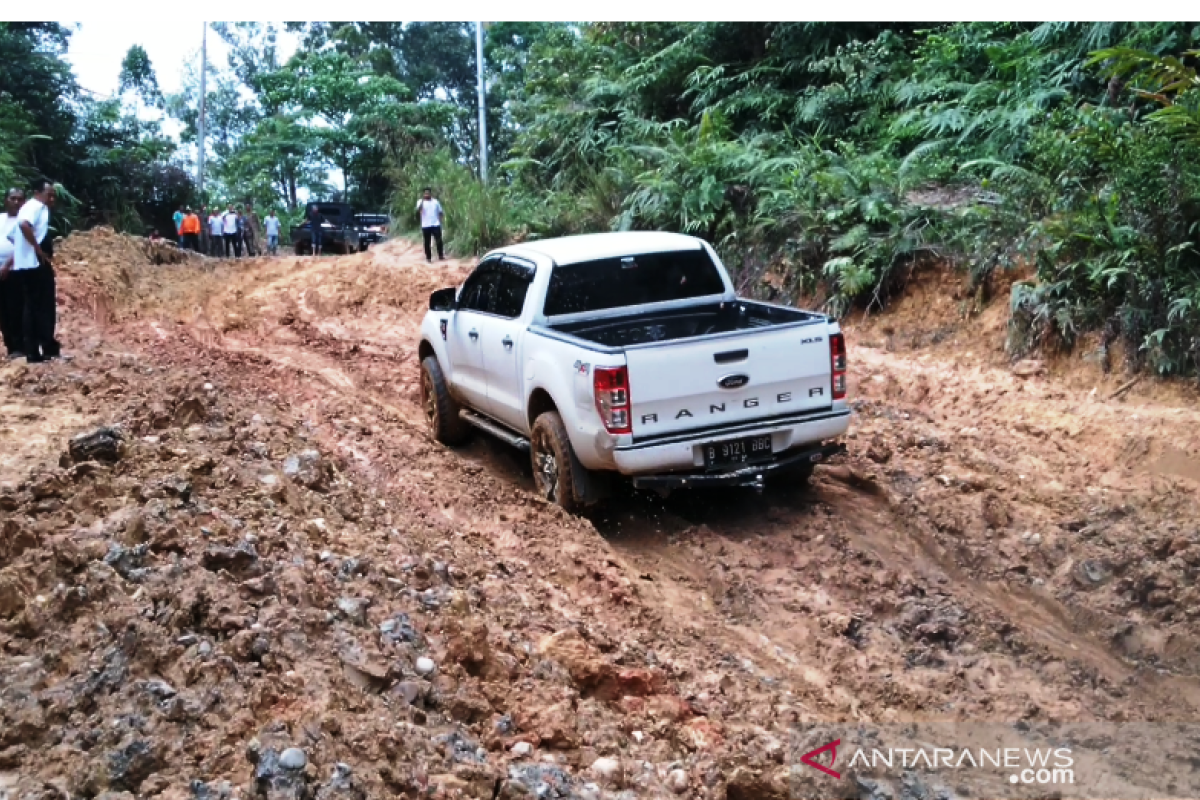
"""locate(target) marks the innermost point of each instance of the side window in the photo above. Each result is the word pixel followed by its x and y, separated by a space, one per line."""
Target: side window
pixel 511 290
pixel 478 292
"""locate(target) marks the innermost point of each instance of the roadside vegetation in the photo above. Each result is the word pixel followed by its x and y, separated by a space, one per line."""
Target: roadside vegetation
pixel 822 160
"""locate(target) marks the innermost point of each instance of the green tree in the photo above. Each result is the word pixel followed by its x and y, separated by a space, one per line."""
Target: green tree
pixel 137 76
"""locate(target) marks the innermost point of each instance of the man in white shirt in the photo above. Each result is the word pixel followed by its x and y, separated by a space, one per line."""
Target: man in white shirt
pixel 431 223
pixel 34 270
pixel 272 226
pixel 11 302
pixel 229 229
pixel 216 235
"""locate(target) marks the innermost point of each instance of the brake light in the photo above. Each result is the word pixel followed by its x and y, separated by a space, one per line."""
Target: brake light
pixel 612 398
pixel 837 360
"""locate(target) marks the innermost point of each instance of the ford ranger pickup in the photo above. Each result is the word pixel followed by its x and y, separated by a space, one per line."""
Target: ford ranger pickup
pixel 631 354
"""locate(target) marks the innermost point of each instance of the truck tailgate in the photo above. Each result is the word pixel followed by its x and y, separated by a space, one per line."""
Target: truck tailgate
pixel 697 384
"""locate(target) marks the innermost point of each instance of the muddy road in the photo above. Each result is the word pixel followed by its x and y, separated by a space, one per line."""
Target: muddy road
pixel 278 560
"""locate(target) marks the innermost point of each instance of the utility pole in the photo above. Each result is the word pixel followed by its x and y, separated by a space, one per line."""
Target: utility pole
pixel 482 112
pixel 203 102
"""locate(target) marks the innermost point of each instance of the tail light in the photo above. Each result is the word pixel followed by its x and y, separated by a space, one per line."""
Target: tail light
pixel 837 360
pixel 612 398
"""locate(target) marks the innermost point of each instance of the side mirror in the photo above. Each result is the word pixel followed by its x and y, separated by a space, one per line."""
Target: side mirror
pixel 442 299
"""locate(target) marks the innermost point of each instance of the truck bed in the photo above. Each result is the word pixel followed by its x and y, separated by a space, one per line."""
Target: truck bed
pixel 685 323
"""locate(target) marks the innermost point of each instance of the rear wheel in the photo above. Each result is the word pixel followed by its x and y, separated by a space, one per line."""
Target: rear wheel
pixel 557 473
pixel 441 409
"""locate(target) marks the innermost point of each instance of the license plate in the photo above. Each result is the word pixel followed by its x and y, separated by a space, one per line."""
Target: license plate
pixel 737 451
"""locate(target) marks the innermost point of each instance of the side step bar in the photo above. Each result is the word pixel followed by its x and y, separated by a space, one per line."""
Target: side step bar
pixel 495 429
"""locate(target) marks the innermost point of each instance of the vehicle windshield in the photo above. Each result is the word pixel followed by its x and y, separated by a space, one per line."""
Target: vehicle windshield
pixel 631 281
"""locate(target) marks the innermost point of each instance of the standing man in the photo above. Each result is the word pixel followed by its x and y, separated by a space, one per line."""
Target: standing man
pixel 178 217
pixel 229 231
pixel 34 271
pixel 203 215
pixel 216 237
pixel 272 225
pixel 253 233
pixel 240 241
pixel 431 223
pixel 314 222
pixel 190 232
pixel 11 302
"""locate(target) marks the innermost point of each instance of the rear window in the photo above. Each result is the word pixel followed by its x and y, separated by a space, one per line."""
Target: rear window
pixel 630 281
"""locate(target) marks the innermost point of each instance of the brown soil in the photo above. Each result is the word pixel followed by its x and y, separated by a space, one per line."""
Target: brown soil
pixel 278 547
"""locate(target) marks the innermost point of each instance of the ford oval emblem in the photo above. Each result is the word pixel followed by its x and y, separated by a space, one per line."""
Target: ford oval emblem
pixel 733 381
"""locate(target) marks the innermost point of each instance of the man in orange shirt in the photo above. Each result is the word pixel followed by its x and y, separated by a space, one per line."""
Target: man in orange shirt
pixel 189 232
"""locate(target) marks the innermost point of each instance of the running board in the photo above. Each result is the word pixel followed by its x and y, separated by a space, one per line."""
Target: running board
pixel 495 429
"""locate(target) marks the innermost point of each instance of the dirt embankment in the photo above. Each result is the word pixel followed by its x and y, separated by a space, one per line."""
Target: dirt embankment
pixel 267 582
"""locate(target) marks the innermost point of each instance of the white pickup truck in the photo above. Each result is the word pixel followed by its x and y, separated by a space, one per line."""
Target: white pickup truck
pixel 631 353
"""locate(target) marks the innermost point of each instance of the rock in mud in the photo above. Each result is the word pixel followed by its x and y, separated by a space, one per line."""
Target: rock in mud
pixel 128 561
pixel 340 785
pixel 47 485
pixel 461 748
pixel 221 790
pixel 12 596
pixel 995 512
pixel 1028 368
pixel 310 470
pixel 399 630
pixel 607 771
pixel 411 691
pixel 105 444
pixel 425 666
pixel 190 411
pixel 275 781
pixel 293 758
pixel 354 609
pixel 132 764
pixel 241 560
pixel 540 781
pixel 677 781
pixel 160 689
pixel 585 665
pixel 15 539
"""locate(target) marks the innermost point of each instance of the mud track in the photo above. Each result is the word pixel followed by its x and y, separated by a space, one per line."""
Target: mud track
pixel 993 548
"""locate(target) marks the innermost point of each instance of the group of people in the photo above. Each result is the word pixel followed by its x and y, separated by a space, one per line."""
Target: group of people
pixel 28 315
pixel 227 234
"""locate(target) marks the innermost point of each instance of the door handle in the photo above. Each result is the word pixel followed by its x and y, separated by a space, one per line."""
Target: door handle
pixel 474 334
pixel 507 342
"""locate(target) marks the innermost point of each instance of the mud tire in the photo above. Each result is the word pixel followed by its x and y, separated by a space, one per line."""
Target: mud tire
pixel 441 409
pixel 557 473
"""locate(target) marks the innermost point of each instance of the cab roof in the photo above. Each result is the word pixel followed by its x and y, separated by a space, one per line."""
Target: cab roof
pixel 593 246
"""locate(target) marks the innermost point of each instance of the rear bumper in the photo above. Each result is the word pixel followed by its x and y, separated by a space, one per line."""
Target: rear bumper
pixel 743 476
pixel 686 454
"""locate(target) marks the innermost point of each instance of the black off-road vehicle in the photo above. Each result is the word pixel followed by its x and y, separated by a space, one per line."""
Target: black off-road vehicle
pixel 340 232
